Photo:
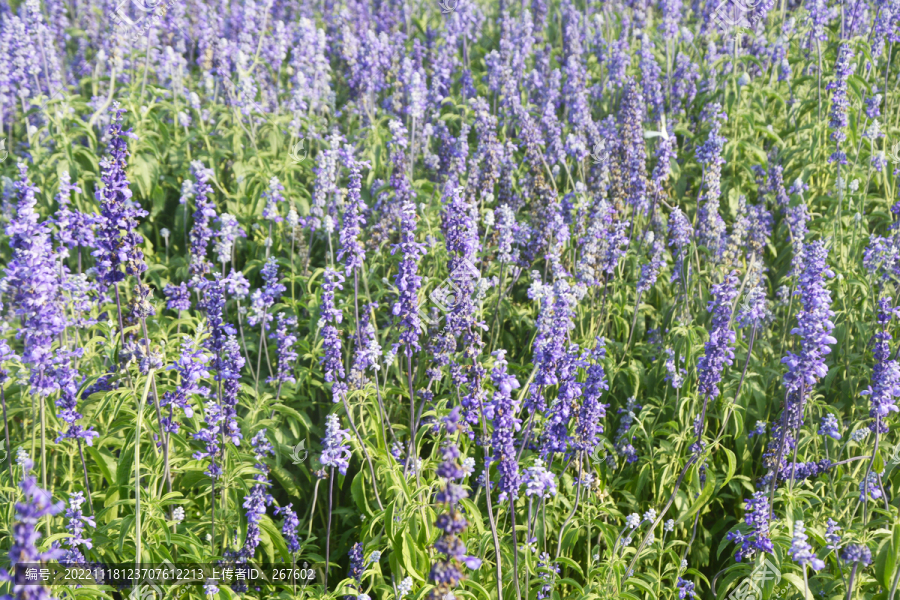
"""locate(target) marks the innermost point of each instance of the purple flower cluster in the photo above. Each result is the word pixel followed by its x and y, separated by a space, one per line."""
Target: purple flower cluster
pixel 332 360
pixel 885 385
pixel 191 366
pixel 178 297
pixel 285 336
pixel 352 251
pixel 35 505
pixel 710 226
pixel 204 214
pixel 814 327
pixel 446 571
pixel 289 527
pixel 719 350
pixel 335 450
pixel 505 409
pixel 259 498
pixel 118 242
pixel 623 441
pixel 801 551
pixel 757 519
pixel 273 196
pixel 840 102
pixel 265 297
pixel 408 281
pixel 32 287
pixel 74 228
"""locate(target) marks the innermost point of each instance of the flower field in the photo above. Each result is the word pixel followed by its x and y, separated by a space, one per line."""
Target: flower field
pixel 449 299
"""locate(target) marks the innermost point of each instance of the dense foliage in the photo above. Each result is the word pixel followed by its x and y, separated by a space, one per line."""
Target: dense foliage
pixel 453 299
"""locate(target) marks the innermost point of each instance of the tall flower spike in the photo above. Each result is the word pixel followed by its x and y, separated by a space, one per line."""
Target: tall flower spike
pixel 719 350
pixel 801 551
pixel 840 102
pixel 289 527
pixel 204 214
pixel 35 505
pixel 446 571
pixel 285 336
pixel 335 450
pixel 757 519
pixel 885 385
pixel 352 251
pixel 332 360
pixel 635 148
pixel 408 280
pixel 506 423
pixel 118 243
pixel 710 226
pixel 804 369
pixel 31 283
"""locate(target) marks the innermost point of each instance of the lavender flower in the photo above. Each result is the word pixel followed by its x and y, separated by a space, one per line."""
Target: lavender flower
pixel 332 361
pixel 801 551
pixel 335 450
pixel 885 385
pixel 539 481
pixel 506 424
pixel 832 537
pixel 623 442
pixel 857 553
pixel 75 527
pixel 814 326
pixel 757 519
pixel 178 297
pixel 37 504
pixel 840 102
pixel 710 227
pixel 719 350
pixel 408 281
pixel 685 589
pixel 680 234
pixel 258 499
pixel 273 196
pixel 229 232
pixel 191 366
pixel 352 251
pixel 869 488
pixel 635 148
pixel 118 243
pixel 201 233
pixel 31 283
pixel 590 414
pixel 830 427
pixel 74 228
pixel 447 571
pixel 285 336
pixel 650 270
pixel 263 298
pixel 356 565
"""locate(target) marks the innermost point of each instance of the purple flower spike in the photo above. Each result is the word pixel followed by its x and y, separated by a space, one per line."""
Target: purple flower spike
pixel 335 450
pixel 118 243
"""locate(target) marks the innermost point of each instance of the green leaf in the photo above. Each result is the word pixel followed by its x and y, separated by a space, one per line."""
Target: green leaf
pixel 732 466
pixel 797 582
